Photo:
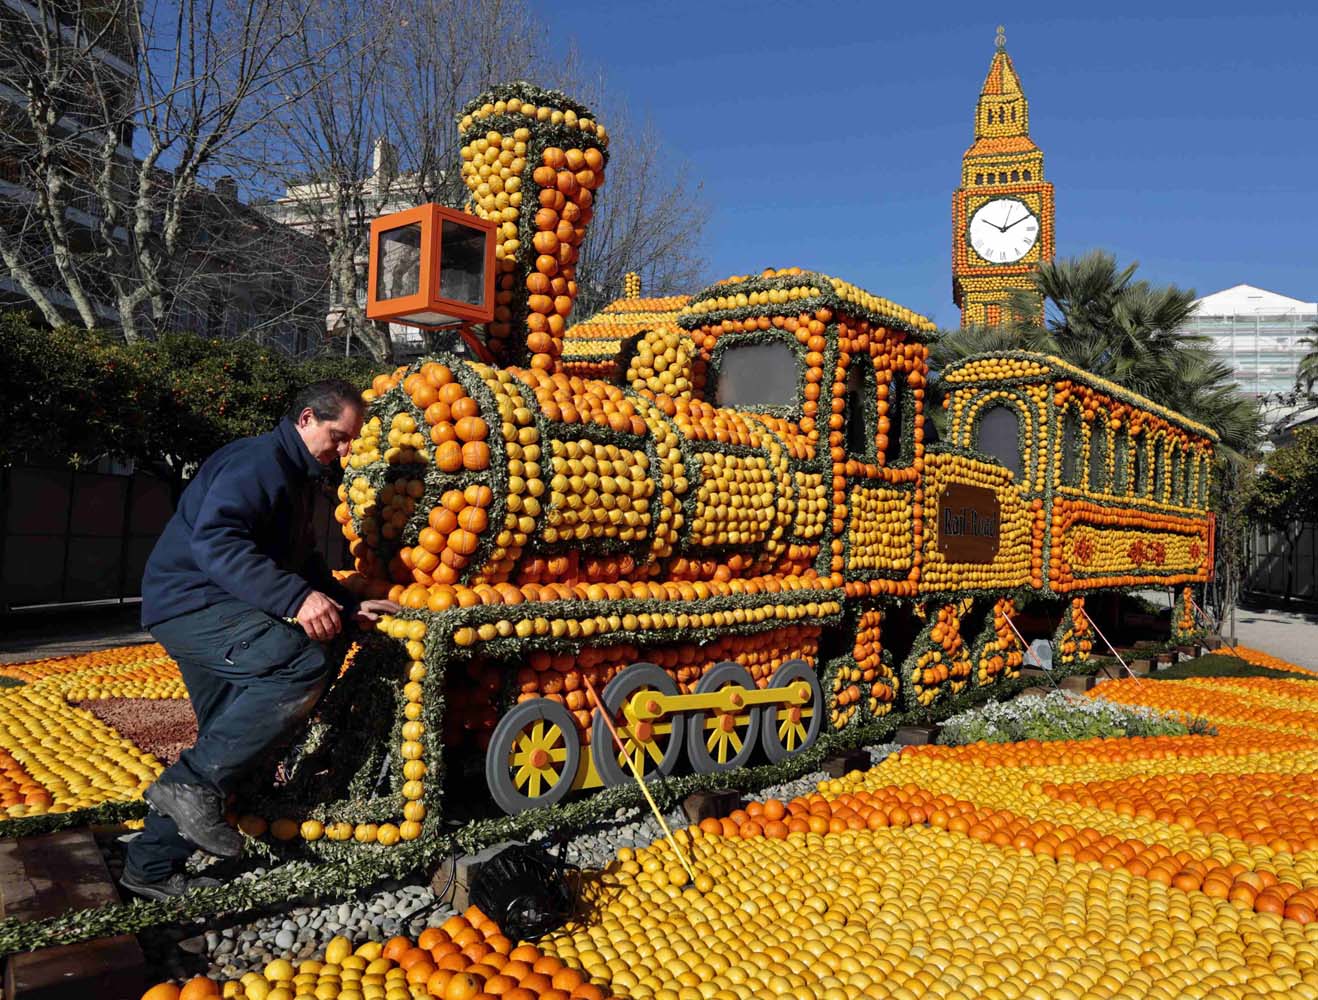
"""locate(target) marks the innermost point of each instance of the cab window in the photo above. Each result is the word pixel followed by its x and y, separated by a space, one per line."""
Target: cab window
pixel 757 376
pixel 898 450
pixel 861 409
pixel 999 435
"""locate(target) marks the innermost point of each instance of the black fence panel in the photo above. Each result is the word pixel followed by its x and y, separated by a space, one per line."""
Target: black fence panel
pixel 70 537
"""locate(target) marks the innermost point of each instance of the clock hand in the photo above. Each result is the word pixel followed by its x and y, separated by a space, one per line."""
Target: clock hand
pixel 1004 227
pixel 1018 221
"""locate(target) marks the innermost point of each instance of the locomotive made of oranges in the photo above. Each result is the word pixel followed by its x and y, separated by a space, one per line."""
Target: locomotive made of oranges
pixel 720 513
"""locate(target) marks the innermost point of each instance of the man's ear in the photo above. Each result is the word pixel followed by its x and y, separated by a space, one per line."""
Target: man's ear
pixel 305 417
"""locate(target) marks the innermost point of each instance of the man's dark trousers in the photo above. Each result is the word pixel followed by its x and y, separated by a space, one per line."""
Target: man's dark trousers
pixel 251 678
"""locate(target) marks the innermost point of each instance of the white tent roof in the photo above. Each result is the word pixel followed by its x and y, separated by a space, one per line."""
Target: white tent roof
pixel 1246 300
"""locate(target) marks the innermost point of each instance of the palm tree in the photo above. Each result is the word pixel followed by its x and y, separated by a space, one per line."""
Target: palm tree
pixel 1308 371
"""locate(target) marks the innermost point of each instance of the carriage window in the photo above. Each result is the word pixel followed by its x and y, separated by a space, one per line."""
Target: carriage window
pixel 1071 448
pixel 1120 457
pixel 861 409
pixel 1141 467
pixel 1203 481
pixel 999 436
pixel 898 449
pixel 1098 443
pixel 1159 468
pixel 757 375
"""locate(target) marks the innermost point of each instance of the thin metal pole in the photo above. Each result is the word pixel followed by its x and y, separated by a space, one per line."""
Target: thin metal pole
pixel 1029 649
pixel 1094 625
pixel 636 773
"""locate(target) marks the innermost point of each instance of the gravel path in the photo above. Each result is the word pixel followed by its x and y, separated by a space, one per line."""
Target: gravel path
pixel 230 949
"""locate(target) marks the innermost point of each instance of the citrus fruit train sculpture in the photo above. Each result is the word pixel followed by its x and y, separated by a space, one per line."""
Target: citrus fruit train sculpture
pixel 723 511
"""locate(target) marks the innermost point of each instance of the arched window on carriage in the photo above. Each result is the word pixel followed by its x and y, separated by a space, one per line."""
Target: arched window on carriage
pixel 1121 462
pixel 899 449
pixel 1160 492
pixel 1071 447
pixel 1098 446
pixel 1141 465
pixel 1205 472
pixel 1191 478
pixel 861 397
pixel 999 434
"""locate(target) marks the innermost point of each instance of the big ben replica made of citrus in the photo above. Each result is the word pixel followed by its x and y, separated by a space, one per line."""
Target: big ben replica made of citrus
pixel 1002 214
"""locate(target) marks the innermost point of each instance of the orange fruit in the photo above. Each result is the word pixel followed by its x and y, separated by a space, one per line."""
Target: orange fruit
pixel 463 986
pixel 199 987
pixel 162 991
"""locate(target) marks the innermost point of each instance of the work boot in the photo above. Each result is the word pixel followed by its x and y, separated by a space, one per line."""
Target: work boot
pixel 167 888
pixel 198 812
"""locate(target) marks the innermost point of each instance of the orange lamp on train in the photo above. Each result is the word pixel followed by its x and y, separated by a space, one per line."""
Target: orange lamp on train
pixel 430 267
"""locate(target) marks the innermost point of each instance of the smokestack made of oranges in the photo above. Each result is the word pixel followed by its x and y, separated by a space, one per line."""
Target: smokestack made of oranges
pixel 533 161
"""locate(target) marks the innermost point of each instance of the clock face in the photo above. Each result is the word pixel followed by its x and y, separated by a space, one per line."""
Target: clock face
pixel 1003 230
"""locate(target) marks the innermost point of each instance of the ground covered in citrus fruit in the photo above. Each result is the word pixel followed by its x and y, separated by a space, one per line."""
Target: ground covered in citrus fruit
pixel 1161 867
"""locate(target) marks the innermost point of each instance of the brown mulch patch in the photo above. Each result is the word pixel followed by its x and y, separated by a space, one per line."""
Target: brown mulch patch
pixel 163 728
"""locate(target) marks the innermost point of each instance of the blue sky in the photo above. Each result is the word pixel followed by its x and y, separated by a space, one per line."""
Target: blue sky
pixel 1183 136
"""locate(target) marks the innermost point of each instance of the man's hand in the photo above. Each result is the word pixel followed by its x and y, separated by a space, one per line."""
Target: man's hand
pixel 370 611
pixel 319 617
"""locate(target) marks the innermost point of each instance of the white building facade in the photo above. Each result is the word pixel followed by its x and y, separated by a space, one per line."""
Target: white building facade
pixel 1259 333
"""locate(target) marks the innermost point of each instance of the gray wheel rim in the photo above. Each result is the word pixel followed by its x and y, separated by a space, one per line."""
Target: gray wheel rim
pixel 778 731
pixel 604 751
pixel 532 721
pixel 704 745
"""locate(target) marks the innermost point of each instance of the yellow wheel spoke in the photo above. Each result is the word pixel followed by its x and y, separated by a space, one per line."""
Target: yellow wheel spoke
pixel 538 732
pixel 558 755
pixel 735 740
pixel 653 749
pixel 535 784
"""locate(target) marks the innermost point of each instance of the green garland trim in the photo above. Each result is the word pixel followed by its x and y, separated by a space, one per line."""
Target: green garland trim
pixel 915 326
pixel 357 866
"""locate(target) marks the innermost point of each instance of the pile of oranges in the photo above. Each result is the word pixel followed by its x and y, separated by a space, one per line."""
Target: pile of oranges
pixel 465 958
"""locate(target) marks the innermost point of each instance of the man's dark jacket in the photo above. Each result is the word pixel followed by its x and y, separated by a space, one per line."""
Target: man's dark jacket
pixel 243 529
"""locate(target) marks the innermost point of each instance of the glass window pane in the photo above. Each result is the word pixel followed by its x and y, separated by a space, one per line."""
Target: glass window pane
pixel 1121 452
pixel 898 450
pixel 757 375
pixel 999 436
pixel 398 262
pixel 860 409
pixel 1098 456
pixel 1071 448
pixel 462 263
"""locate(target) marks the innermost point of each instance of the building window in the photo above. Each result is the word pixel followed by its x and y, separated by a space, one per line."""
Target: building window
pixel 979 178
pixel 990 178
pixel 1013 112
pixel 1026 175
pixel 1002 177
pixel 1015 175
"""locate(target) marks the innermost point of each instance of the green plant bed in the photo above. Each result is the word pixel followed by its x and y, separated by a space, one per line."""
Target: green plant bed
pixel 1062 716
pixel 1225 665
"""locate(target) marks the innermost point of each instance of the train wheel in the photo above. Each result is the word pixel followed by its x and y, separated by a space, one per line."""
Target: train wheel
pixel 721 741
pixel 533 756
pixel 789 729
pixel 655 745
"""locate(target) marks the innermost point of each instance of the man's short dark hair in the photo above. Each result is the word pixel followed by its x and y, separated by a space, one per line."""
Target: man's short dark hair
pixel 326 398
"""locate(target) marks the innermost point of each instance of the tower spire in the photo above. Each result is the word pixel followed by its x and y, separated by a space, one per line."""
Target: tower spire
pixel 1000 41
